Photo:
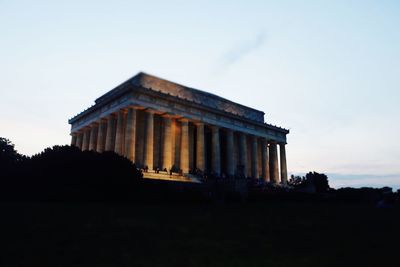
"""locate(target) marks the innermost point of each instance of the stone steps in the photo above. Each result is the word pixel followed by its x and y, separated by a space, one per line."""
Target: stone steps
pixel 173 177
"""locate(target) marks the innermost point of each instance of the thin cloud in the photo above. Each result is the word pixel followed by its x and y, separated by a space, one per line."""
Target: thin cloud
pixel 244 49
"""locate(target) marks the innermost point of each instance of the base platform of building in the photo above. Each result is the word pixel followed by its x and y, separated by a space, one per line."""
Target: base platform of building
pixel 174 177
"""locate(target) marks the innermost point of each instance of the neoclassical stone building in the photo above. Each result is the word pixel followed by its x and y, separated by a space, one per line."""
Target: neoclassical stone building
pixel 161 124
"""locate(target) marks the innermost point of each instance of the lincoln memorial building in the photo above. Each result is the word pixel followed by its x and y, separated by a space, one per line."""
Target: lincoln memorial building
pixel 159 125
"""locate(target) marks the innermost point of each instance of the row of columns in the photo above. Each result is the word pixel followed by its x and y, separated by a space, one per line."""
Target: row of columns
pixel 118 133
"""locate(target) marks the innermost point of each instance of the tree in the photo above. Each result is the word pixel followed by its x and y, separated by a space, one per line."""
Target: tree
pixel 319 181
pixel 314 181
pixel 8 154
pixel 295 180
pixel 66 173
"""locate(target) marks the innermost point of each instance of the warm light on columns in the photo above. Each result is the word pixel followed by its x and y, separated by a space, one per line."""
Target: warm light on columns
pixel 119 135
pixel 167 143
pixel 149 154
pixel 110 138
pixel 185 146
pixel 130 134
pixel 216 152
pixel 200 147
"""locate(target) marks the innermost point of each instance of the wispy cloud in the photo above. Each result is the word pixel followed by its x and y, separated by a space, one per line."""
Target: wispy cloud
pixel 243 49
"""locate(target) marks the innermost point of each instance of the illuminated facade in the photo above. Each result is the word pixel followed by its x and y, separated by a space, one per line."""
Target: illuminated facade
pixel 163 125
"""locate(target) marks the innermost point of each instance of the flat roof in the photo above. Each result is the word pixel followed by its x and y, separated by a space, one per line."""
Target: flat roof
pixel 151 82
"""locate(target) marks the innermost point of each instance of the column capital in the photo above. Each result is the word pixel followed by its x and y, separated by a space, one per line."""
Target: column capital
pixel 229 130
pixel 254 137
pixel 184 121
pixel 150 111
pixel 134 107
pixel 214 127
pixel 198 123
pixel 242 133
pixel 167 116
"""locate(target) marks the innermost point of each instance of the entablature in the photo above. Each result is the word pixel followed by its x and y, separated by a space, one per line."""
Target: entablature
pixel 179 107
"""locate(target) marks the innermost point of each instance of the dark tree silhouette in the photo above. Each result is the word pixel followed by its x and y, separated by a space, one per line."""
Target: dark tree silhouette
pixel 66 173
pixel 295 180
pixel 8 154
pixel 318 181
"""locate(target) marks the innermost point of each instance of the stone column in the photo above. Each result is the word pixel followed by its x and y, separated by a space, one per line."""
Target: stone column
pixel 282 153
pixel 167 144
pixel 79 139
pixel 243 152
pixel 273 163
pixel 149 153
pixel 93 137
pixel 200 147
pixel 264 160
pixel 254 157
pixel 86 136
pixel 216 152
pixel 173 141
pixel 230 162
pixel 119 135
pixel 130 135
pixel 185 146
pixel 101 136
pixel 73 139
pixel 110 138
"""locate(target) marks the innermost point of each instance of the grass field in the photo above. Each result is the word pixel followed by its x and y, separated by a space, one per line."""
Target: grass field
pixel 287 233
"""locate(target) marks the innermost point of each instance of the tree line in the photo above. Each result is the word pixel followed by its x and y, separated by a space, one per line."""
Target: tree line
pixel 65 173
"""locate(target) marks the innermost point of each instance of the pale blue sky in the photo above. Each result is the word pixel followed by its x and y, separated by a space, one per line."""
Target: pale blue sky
pixel 328 70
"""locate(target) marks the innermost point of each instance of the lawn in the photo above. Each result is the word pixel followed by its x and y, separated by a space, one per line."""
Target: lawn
pixel 274 233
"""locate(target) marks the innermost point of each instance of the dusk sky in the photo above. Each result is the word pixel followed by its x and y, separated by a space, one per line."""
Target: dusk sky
pixel 327 70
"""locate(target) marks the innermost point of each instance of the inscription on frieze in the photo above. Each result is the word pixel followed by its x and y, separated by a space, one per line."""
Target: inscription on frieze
pixel 193 95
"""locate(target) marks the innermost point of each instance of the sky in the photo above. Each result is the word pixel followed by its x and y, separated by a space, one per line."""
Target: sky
pixel 327 70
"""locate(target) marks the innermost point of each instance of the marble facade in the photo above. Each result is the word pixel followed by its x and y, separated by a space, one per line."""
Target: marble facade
pixel 161 124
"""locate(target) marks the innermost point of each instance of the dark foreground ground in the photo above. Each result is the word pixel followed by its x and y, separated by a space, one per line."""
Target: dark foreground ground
pixel 285 233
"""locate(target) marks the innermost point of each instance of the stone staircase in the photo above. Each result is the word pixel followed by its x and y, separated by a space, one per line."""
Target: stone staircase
pixel 174 177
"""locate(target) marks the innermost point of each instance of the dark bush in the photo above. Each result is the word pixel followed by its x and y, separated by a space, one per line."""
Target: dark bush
pixel 66 173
